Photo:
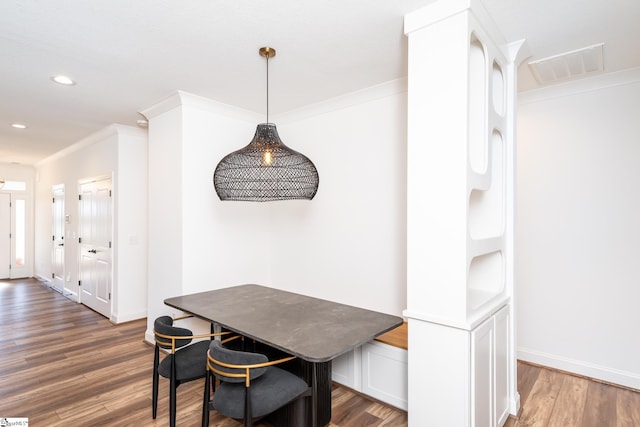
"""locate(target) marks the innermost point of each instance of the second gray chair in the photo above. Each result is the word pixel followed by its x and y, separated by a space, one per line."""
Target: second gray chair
pixel 250 386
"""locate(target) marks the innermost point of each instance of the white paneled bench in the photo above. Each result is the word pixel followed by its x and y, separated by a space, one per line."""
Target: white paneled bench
pixel 377 368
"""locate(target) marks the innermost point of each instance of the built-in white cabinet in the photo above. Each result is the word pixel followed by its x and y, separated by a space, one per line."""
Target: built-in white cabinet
pixel 375 369
pixel 482 373
pixel 384 373
pixel 347 369
pixel 502 378
pixel 490 371
pixel 460 216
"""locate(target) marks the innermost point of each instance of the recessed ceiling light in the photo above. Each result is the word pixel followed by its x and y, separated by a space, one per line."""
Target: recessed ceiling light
pixel 18 126
pixel 63 80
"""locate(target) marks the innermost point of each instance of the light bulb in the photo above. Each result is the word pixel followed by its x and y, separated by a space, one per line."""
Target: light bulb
pixel 267 158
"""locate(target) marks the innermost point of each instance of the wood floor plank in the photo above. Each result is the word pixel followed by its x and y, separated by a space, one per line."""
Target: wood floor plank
pixel 627 408
pixel 541 400
pixel 527 377
pixel 397 418
pixel 604 404
pixel 601 405
pixel 569 407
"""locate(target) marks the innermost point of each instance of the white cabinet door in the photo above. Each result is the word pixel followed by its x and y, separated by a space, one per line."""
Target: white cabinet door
pixel 490 371
pixel 482 351
pixel 385 373
pixel 501 325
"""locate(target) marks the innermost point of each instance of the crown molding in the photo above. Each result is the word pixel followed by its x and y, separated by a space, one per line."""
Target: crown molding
pixel 589 84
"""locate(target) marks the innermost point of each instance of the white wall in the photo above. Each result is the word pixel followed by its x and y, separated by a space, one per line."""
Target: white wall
pixel 578 230
pixel 347 245
pixel 197 242
pixel 119 152
pixel 130 225
pixel 225 243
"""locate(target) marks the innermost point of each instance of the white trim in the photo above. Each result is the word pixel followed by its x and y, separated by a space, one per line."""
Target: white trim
pixel 580 367
pixel 514 405
pixel 601 81
pixel 373 93
pixel 441 10
pixel 127 317
pixel 181 98
pixel 69 294
pixel 486 311
pixel 45 280
pixel 360 97
pixel 149 337
pixel 102 134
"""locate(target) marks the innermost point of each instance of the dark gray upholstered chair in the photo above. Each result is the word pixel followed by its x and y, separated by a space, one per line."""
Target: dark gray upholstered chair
pixel 250 386
pixel 184 362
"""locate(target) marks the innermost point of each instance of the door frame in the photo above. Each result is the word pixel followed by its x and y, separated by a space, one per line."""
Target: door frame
pixel 5 263
pixel 24 194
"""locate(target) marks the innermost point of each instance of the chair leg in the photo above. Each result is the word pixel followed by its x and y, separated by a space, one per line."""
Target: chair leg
pixel 154 400
pixel 248 419
pixel 207 397
pixel 172 393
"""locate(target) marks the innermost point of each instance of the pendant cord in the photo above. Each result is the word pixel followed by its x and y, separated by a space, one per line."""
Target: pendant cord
pixel 267 88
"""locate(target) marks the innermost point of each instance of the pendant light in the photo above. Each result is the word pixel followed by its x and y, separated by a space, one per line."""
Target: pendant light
pixel 266 169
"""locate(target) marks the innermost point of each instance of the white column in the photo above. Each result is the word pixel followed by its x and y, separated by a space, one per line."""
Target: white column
pixel 459 216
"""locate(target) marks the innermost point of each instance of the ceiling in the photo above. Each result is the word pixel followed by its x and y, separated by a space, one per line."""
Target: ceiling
pixel 127 55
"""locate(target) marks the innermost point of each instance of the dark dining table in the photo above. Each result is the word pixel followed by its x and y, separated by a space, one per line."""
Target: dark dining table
pixel 313 329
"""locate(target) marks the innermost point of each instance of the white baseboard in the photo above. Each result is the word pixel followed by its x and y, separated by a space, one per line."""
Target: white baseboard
pixel 603 373
pixel 149 337
pixel 44 280
pixel 514 405
pixel 73 296
pixel 127 317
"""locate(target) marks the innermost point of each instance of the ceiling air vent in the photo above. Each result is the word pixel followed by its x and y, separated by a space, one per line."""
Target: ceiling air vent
pixel 569 65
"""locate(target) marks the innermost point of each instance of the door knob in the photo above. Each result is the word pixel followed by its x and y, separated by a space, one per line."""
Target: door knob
pixel 93 251
pixel 60 244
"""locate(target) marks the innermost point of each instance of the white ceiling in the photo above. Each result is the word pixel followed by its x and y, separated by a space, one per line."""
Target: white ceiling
pixel 127 55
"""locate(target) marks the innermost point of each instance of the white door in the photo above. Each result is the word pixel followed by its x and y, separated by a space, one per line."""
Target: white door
pixel 57 250
pixel 5 236
pixel 95 245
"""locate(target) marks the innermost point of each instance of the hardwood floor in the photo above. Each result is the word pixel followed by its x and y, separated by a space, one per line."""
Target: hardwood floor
pixel 552 398
pixel 65 365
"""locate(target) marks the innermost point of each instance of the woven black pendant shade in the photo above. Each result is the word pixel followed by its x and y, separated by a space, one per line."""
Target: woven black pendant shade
pixel 265 170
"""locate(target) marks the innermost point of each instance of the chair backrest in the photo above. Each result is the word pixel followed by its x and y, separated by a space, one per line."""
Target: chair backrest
pixel 218 353
pixel 164 325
